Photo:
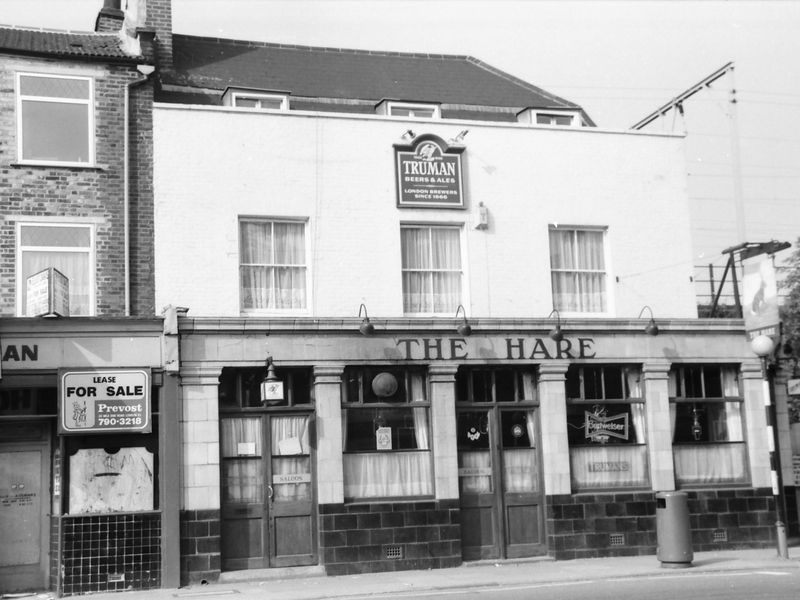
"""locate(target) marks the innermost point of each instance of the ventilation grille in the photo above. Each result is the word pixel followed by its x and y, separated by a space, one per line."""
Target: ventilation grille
pixel 616 539
pixel 394 551
pixel 720 535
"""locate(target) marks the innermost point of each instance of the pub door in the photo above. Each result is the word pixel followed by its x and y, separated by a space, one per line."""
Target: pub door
pixel 502 505
pixel 268 506
pixel 24 516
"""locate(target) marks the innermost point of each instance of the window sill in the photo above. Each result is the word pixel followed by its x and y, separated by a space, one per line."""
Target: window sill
pixel 52 165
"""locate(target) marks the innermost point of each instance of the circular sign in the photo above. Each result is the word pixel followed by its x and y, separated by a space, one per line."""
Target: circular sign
pixel 517 431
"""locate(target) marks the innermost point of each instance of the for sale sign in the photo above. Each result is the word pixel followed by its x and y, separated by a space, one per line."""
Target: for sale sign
pixel 101 401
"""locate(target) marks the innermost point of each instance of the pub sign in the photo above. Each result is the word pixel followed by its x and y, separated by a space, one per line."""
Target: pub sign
pixel 428 173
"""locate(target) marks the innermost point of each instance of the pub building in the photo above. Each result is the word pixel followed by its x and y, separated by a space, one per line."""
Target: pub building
pixel 434 314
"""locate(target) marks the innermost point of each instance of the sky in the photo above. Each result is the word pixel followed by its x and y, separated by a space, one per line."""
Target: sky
pixel 620 60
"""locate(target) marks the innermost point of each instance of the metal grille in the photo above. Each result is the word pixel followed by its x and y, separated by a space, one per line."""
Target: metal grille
pixel 720 535
pixel 393 551
pixel 616 539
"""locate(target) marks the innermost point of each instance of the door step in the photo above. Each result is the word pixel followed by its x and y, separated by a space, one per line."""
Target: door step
pixel 272 574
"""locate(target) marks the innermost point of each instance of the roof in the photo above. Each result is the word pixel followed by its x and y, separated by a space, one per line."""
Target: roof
pixel 65 44
pixel 351 74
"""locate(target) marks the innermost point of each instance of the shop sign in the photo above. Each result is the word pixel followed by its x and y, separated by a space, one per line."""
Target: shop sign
pixel 284 478
pixel 760 298
pixel 510 348
pixel 793 387
pixel 47 294
pixel 383 438
pixel 599 428
pixel 428 174
pixel 101 401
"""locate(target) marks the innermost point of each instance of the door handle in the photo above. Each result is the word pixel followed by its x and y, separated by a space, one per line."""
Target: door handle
pixel 269 493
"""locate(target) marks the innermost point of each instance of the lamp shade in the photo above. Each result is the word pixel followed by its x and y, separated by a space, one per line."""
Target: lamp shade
pixel 762 345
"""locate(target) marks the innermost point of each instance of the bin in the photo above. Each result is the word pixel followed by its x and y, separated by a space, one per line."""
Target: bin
pixel 672 530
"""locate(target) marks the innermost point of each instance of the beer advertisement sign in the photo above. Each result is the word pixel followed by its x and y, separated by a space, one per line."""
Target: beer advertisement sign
pixel 429 174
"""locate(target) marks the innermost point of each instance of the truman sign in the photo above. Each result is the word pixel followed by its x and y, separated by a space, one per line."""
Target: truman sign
pixel 429 173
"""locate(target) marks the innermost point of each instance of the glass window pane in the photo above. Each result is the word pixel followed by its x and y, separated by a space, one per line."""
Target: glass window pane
pixel 712 378
pixel 54 87
pixel 290 248
pixel 505 390
pixel 67 237
pixel 73 265
pixel 256 242
pixel 246 102
pixel 55 131
pixel 416 252
pixel 400 111
pixel 446 250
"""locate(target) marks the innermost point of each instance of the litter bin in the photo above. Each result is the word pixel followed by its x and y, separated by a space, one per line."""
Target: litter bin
pixel 672 530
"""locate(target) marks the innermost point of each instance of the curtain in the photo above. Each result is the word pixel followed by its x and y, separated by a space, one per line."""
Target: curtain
pixel 290 449
pixel 73 265
pixel 431 262
pixel 387 474
pixel 733 419
pixel 421 421
pixel 273 272
pixel 710 463
pixel 475 472
pixel 241 477
pixel 730 382
pixel 577 263
pixel 608 466
pixel 520 470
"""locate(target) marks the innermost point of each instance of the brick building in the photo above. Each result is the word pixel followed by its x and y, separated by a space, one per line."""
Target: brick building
pixel 84 403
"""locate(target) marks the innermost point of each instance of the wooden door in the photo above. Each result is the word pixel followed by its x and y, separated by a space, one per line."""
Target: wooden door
pixel 502 507
pixel 268 508
pixel 24 517
pixel 478 489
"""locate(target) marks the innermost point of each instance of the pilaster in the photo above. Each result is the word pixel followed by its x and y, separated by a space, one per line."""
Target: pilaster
pixel 442 379
pixel 659 425
pixel 555 448
pixel 328 400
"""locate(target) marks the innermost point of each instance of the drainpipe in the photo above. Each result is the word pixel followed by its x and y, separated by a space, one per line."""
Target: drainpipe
pixel 146 70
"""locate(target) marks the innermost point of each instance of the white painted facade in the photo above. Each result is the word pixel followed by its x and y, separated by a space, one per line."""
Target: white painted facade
pixel 213 165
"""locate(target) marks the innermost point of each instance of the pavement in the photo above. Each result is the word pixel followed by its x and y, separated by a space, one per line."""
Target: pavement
pixel 312 584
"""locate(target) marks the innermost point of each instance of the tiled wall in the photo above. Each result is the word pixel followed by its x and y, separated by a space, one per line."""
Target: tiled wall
pixel 200 546
pixel 365 538
pixel 110 553
pixel 593 525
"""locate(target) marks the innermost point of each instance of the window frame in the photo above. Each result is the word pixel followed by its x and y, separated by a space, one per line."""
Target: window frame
pixel 88 102
pixel 411 107
pixel 675 400
pixel 606 271
pixel 282 98
pixel 360 374
pixel 306 264
pixel 89 250
pixel 462 271
pixel 627 398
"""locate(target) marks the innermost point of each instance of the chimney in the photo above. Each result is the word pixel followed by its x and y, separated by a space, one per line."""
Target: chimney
pixel 110 17
pixel 158 18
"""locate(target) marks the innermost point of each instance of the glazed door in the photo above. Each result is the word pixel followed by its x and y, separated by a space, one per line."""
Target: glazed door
pixel 499 484
pixel 268 509
pixel 24 517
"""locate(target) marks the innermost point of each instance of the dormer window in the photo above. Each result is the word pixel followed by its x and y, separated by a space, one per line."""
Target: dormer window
pixel 407 109
pixel 559 118
pixel 255 99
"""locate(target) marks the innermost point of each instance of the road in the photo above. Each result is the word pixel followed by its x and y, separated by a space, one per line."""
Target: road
pixel 773 584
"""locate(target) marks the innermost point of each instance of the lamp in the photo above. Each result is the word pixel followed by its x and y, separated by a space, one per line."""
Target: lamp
pixel 652 328
pixel 463 327
pixel 556 334
pixel 271 386
pixel 408 135
pixel 366 328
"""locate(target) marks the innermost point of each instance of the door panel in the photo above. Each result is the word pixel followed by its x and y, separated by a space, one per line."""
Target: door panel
pixel 268 508
pixel 24 501
pixel 499 484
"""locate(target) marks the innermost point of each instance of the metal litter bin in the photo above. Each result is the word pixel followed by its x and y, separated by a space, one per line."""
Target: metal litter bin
pixel 672 530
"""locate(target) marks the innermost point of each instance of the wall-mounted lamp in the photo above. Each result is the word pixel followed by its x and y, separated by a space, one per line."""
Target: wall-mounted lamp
pixel 556 334
pixel 652 328
pixel 464 327
pixel 409 135
pixel 271 386
pixel 460 137
pixel 366 328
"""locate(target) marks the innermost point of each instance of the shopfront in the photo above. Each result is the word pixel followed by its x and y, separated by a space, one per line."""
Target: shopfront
pixel 82 471
pixel 411 447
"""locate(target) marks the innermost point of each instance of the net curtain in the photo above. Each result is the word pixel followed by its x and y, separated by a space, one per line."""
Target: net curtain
pixel 577 261
pixel 273 265
pixel 431 259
